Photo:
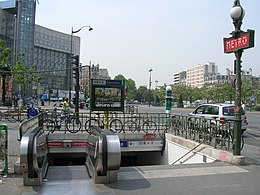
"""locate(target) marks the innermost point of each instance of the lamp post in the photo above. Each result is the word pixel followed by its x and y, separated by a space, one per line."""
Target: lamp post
pixel 237 14
pixel 71 54
pixel 150 83
pixel 156 83
pixel 239 41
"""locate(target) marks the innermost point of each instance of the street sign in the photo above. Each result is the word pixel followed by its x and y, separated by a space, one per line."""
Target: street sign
pixel 245 40
pixel 252 98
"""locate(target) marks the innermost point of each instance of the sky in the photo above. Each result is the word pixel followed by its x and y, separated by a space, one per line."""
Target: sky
pixel 130 37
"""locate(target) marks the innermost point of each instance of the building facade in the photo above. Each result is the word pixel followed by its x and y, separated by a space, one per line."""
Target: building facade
pixel 45 49
pixel 25 25
pixel 180 78
pixel 92 72
pixel 7 29
pixel 196 75
pixel 215 79
pixel 51 57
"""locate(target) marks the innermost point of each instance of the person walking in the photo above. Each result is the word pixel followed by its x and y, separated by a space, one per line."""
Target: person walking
pixel 66 105
pixel 243 106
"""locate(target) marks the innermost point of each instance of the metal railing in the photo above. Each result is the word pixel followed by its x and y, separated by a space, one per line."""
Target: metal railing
pixel 117 122
pixel 216 133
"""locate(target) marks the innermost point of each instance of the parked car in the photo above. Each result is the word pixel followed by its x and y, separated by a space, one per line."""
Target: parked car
pixel 220 112
pixel 82 104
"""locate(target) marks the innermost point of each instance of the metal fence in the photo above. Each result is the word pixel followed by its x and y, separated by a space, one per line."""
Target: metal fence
pixel 115 121
pixel 216 133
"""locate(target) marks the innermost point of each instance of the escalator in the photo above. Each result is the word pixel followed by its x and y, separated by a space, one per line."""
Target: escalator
pixel 65 158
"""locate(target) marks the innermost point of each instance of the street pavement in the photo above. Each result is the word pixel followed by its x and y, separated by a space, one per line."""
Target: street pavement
pixel 210 179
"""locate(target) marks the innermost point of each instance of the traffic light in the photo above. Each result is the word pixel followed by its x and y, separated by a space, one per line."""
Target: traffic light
pixel 75 66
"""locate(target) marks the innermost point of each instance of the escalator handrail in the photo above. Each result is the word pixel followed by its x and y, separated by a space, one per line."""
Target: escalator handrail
pixel 30 124
pixel 29 143
pixel 104 154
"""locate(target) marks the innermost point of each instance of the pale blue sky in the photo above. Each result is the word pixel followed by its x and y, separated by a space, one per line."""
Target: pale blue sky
pixel 132 36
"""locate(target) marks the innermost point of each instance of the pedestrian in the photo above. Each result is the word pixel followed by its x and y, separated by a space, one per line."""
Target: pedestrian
pixel 243 105
pixel 66 105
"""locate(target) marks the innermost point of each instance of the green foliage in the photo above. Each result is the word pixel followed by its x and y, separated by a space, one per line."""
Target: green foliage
pixel 217 92
pixel 23 74
pixel 4 54
pixel 129 85
pixel 180 102
pixel 142 94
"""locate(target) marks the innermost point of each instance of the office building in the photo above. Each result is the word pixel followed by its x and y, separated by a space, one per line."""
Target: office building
pixel 180 78
pixel 51 57
pixel 7 31
pixel 196 75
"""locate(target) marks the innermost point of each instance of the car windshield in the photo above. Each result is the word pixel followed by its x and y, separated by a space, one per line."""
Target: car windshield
pixel 230 111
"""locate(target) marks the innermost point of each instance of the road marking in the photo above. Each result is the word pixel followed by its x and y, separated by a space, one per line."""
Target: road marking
pixel 249 135
pixel 185 172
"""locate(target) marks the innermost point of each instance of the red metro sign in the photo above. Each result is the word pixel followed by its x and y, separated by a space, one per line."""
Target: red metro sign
pixel 245 40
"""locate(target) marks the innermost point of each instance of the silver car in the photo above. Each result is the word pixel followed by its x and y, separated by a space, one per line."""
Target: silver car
pixel 220 112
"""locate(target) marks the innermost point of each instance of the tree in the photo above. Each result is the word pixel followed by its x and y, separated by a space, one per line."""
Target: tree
pixel 119 77
pixel 131 89
pixel 23 74
pixel 129 85
pixel 5 53
pixel 142 94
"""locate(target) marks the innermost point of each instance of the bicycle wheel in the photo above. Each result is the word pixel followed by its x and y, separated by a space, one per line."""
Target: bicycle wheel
pixel 49 125
pixel 116 125
pixel 22 117
pixel 129 126
pixel 90 124
pixel 11 118
pixel 149 126
pixel 73 124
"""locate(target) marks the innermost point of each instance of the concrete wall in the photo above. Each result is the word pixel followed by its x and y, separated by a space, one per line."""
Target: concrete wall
pixel 178 146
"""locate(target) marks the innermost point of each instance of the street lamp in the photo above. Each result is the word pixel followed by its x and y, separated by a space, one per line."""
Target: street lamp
pixel 150 83
pixel 237 14
pixel 156 83
pixel 71 54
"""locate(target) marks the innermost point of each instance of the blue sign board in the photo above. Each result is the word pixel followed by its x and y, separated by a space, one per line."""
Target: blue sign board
pixel 123 144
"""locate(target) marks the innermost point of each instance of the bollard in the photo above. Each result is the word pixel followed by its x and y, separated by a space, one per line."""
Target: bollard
pixel 3 149
pixel 168 100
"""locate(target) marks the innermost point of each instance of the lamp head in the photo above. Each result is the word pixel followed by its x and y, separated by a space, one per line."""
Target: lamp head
pixel 237 12
pixel 168 88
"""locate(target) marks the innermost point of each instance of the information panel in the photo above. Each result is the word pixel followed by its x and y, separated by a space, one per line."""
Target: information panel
pixel 107 95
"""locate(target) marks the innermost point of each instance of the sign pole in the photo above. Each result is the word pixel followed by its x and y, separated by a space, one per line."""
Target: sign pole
pixel 239 41
pixel 237 114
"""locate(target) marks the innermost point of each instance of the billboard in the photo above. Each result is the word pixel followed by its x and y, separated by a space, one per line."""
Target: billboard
pixel 6 4
pixel 107 95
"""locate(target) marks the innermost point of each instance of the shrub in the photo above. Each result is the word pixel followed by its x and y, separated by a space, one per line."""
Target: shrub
pixel 257 108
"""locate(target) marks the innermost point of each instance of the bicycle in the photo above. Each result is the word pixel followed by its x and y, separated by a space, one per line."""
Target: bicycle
pixel 139 124
pixel 70 122
pixel 114 124
pixel 227 139
pixel 13 115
